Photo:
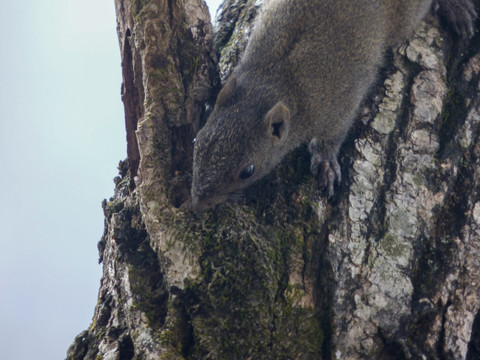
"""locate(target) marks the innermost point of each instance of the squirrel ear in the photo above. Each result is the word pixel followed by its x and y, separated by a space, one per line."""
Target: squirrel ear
pixel 227 91
pixel 277 121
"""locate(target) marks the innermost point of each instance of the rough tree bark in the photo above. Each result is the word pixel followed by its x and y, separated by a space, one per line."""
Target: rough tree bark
pixel 388 269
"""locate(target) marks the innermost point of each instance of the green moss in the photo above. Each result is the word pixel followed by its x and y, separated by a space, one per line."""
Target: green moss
pixel 175 335
pixel 137 6
pixel 298 334
pixel 242 303
pixel 149 295
pixel 113 206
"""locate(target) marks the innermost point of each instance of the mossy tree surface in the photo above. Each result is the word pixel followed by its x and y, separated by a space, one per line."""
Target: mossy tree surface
pixel 389 268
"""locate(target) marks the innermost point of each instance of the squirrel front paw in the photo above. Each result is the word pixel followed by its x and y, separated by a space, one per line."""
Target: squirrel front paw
pixel 325 166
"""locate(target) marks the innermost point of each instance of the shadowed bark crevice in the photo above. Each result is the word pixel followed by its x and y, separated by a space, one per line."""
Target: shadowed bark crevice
pixel 132 95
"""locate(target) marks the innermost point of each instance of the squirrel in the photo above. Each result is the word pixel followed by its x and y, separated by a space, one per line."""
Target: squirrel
pixel 304 73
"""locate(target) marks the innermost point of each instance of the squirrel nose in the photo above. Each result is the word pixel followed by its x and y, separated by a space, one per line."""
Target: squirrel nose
pixel 199 205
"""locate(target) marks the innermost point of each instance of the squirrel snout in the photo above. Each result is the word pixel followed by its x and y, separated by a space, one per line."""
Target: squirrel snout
pixel 201 205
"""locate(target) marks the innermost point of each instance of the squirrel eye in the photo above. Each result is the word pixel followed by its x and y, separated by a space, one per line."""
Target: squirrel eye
pixel 194 141
pixel 247 172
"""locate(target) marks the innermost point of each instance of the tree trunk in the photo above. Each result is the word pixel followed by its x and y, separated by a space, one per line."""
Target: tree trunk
pixel 387 269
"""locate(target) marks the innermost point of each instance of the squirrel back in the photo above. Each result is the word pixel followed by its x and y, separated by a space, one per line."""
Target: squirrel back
pixel 307 67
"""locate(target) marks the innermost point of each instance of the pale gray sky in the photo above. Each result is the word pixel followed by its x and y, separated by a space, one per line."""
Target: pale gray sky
pixel 61 137
pixel 213 6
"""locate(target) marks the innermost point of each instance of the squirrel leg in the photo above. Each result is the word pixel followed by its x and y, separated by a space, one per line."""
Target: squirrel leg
pixel 324 164
pixel 460 15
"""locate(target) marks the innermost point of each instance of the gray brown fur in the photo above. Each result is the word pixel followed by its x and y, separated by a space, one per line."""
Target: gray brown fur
pixel 306 69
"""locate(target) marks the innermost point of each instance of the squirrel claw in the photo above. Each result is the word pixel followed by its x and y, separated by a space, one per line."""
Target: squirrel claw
pixel 328 172
pixel 325 165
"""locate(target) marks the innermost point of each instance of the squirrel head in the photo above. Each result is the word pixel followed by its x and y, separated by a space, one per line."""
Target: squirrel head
pixel 244 138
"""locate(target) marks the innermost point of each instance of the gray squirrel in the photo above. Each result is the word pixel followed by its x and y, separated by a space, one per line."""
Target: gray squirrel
pixel 304 73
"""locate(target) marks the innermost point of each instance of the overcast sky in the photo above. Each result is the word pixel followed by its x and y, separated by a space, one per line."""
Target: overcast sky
pixel 61 137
